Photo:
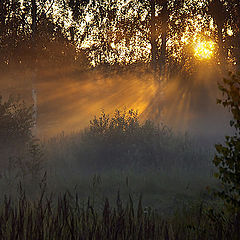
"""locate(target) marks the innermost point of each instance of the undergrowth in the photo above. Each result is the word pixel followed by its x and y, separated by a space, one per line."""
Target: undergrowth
pixel 68 217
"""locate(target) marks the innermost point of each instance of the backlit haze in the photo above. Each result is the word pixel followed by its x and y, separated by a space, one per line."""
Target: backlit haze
pixel 68 99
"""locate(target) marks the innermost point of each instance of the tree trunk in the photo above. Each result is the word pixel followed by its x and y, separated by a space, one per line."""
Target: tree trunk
pixel 164 22
pixel 34 65
pixel 153 37
pixel 237 37
pixel 222 54
pixel 218 12
pixel 2 16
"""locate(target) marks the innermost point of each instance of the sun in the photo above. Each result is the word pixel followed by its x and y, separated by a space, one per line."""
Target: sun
pixel 204 50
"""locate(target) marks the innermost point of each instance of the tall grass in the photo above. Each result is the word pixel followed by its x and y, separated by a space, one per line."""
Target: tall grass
pixel 66 217
pixel 125 155
pixel 114 154
pixel 162 165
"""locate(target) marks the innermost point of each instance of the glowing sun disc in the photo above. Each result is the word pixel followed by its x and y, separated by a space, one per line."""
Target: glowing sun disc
pixel 204 50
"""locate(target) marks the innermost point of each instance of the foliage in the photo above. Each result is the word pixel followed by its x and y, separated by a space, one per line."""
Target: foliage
pixel 49 41
pixel 116 33
pixel 19 150
pixel 65 217
pixel 227 158
pixel 73 32
pixel 15 120
pixel 35 158
pixel 28 163
pixel 122 141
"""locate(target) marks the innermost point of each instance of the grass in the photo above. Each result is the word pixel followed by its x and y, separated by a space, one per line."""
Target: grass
pixel 67 217
pixel 162 178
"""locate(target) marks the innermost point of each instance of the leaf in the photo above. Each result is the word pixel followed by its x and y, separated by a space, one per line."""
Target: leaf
pixel 216 175
pixel 227 159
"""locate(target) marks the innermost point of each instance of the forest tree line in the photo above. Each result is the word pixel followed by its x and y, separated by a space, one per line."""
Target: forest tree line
pixel 87 33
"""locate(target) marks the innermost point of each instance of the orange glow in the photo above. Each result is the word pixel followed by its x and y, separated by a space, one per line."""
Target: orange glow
pixel 204 50
pixel 68 104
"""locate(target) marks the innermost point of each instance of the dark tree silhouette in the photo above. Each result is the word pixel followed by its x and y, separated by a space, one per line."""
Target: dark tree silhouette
pixel 15 128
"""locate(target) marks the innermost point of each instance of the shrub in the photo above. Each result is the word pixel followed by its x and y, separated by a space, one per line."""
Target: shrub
pixel 227 159
pixel 15 120
pixel 15 127
pixel 121 141
pixel 19 150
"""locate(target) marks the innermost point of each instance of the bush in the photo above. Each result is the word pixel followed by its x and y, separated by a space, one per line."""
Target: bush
pixel 19 150
pixel 15 127
pixel 121 141
pixel 15 120
pixel 227 159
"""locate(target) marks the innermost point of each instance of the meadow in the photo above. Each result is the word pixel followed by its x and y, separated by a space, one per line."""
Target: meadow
pixel 168 172
pixel 117 179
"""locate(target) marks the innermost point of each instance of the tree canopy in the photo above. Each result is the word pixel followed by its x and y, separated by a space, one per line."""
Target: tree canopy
pixel 160 33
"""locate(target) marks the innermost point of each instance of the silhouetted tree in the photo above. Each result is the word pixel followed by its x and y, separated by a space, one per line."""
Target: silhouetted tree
pixel 225 14
pixel 227 159
pixel 37 30
pixel 15 127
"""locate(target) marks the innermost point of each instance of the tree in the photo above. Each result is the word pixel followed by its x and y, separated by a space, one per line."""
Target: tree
pixel 225 14
pixel 36 32
pixel 15 127
pixel 218 11
pixel 33 38
pixel 118 32
pixel 227 159
pixel 11 25
pixel 234 23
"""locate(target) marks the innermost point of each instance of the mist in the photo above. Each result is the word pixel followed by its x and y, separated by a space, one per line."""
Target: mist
pixel 68 100
pixel 119 119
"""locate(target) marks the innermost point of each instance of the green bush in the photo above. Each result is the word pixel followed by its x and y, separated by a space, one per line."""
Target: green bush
pixel 15 120
pixel 121 141
pixel 20 152
pixel 227 159
pixel 15 127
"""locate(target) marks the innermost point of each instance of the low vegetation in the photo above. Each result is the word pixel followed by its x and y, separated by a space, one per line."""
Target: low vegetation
pixel 67 217
pixel 162 177
pixel 228 155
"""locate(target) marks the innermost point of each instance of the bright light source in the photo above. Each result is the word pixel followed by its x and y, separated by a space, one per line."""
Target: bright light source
pixel 229 32
pixel 204 50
